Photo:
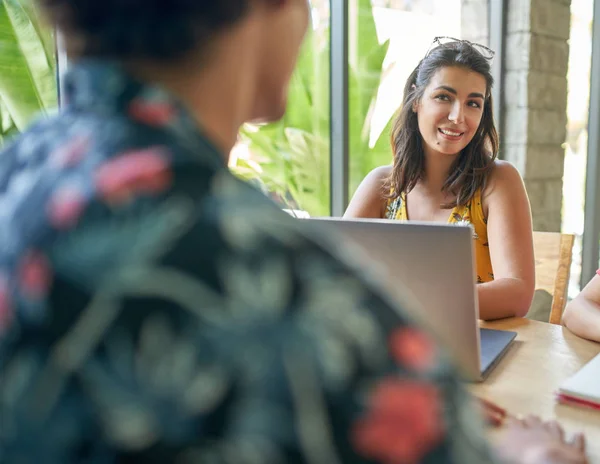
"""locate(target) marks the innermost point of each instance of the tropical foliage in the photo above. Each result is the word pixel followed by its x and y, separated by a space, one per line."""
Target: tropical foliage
pixel 291 157
pixel 27 66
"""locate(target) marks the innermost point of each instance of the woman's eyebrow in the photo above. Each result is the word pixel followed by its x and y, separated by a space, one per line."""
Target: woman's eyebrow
pixel 454 92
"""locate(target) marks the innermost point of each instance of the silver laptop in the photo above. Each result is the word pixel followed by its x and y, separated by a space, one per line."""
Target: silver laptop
pixel 436 263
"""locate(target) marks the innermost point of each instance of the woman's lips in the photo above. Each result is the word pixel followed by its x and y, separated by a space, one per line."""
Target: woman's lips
pixel 451 135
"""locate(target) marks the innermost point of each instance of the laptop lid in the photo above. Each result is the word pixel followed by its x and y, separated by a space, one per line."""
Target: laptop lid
pixel 435 261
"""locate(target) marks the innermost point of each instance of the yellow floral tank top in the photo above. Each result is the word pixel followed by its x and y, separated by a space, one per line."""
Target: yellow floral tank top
pixel 471 213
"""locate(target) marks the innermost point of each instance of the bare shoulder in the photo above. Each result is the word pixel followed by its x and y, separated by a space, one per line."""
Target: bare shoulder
pixel 374 181
pixel 504 186
pixel 504 177
pixel 379 174
pixel 504 172
pixel 369 199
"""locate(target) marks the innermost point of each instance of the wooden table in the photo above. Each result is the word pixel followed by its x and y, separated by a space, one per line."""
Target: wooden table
pixel 526 379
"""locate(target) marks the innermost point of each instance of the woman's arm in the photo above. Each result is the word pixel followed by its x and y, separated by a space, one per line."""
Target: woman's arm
pixel 582 315
pixel 510 237
pixel 368 200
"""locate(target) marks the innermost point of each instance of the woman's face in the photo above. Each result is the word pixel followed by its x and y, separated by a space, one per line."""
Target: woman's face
pixel 450 111
pixel 285 28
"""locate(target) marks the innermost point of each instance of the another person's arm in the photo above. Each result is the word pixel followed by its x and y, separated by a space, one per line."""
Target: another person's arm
pixel 369 200
pixel 510 238
pixel 582 314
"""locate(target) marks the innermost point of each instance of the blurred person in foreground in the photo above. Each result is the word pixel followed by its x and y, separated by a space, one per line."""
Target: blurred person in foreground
pixel 153 308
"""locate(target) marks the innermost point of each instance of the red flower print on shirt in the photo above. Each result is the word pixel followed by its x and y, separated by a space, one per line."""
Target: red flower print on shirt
pixel 5 304
pixel 151 113
pixel 141 171
pixel 35 275
pixel 413 349
pixel 66 206
pixel 404 422
pixel 71 152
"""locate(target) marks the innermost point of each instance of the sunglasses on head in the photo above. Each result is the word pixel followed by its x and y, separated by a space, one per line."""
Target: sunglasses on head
pixel 443 41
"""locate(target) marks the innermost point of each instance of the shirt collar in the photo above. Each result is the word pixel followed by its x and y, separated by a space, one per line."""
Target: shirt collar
pixel 105 87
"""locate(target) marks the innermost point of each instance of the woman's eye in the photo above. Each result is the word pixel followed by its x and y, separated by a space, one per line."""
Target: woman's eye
pixel 442 97
pixel 474 104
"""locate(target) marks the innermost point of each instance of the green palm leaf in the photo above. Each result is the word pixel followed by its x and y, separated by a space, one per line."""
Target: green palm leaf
pixel 27 65
pixel 294 153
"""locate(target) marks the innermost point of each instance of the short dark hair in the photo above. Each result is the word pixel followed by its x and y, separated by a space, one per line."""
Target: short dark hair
pixel 470 170
pixel 141 29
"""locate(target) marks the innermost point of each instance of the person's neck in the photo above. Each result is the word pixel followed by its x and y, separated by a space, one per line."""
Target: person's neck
pixel 216 93
pixel 437 170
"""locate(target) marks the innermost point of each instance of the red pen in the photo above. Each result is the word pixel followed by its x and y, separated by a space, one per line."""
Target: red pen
pixel 493 414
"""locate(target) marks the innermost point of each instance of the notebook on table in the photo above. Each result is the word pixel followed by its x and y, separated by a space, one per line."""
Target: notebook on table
pixel 583 388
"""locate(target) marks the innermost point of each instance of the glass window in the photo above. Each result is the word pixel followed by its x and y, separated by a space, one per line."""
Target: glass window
pixel 578 76
pixel 27 79
pixel 290 159
pixel 387 40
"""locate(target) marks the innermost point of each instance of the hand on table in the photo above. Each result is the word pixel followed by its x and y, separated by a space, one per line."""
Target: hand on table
pixel 532 441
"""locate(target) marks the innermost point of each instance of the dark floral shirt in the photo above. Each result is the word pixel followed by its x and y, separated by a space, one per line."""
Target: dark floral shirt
pixel 154 308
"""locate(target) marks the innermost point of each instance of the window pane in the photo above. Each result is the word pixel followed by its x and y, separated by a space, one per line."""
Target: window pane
pixel 290 159
pixel 387 40
pixel 577 131
pixel 28 83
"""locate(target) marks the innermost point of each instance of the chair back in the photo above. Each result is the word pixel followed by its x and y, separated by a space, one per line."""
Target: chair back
pixel 553 255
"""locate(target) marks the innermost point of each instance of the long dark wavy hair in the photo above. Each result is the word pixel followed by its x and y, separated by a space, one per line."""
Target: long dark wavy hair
pixel 471 168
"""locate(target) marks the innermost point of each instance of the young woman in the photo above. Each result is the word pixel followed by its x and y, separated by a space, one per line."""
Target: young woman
pixel 582 314
pixel 155 309
pixel 445 170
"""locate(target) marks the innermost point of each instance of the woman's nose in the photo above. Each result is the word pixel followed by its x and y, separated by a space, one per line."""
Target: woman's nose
pixel 456 114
